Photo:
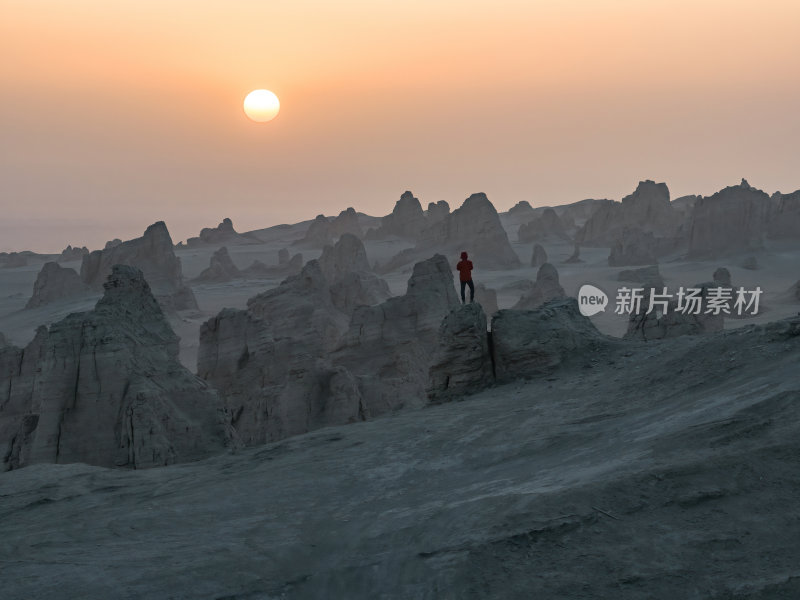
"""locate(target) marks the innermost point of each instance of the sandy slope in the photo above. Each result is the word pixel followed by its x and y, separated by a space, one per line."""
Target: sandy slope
pixel 661 470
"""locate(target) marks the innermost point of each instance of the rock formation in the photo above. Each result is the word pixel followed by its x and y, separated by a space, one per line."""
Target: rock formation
pixel 633 247
pixel 267 361
pixel 437 212
pixel 112 244
pixel 529 343
pixel 318 233
pixel 476 228
pixel 575 257
pixel 388 347
pixel 222 233
pixel 544 289
pixel 295 264
pixel 461 363
pixel 685 204
pixel 283 256
pixel 346 222
pixel 648 208
pixel 54 283
pixel 406 220
pixel 106 388
pixel 722 276
pixel 784 216
pixel 539 256
pixel 732 220
pixel 348 254
pixel 522 210
pixel 603 227
pixel 546 225
pixel 324 231
pixel 352 281
pixel 152 253
pixel 12 260
pixel 69 253
pixel 579 212
pixel 220 269
pixel 568 221
pixel 291 363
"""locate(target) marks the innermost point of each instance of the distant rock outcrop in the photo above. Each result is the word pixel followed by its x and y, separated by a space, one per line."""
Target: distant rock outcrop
pixel 106 388
pixel 522 210
pixel 318 233
pixel 784 216
pixel 730 221
pixel 220 269
pixel 648 208
pixel 546 225
pixel 112 244
pixel 222 233
pixel 633 247
pixel 152 253
pixel 603 227
pixel 575 257
pixel 54 283
pixel 406 220
pixel 324 231
pixel 539 256
pixel 546 288
pixel 579 212
pixel 69 253
pixel 12 260
pixel 437 211
pixel 529 343
pixel 461 363
pixel 283 256
pixel 348 254
pixel 346 222
pixel 476 228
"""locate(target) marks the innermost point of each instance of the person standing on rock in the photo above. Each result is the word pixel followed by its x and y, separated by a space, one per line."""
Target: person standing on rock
pixel 464 267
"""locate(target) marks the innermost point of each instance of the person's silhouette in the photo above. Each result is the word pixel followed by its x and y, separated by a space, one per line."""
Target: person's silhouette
pixel 464 267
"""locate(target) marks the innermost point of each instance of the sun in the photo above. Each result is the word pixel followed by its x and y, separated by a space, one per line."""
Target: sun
pixel 261 106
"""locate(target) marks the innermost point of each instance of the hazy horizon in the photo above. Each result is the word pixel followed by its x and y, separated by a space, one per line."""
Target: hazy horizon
pixel 116 115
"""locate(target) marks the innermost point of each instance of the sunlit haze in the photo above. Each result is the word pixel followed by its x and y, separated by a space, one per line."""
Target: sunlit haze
pixel 118 114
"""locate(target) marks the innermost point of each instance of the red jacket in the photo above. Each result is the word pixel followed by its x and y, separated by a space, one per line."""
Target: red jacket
pixel 464 270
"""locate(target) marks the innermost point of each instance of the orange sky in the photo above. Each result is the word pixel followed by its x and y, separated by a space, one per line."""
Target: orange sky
pixel 117 114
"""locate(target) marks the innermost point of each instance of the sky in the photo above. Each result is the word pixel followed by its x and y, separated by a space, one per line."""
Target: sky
pixel 114 115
